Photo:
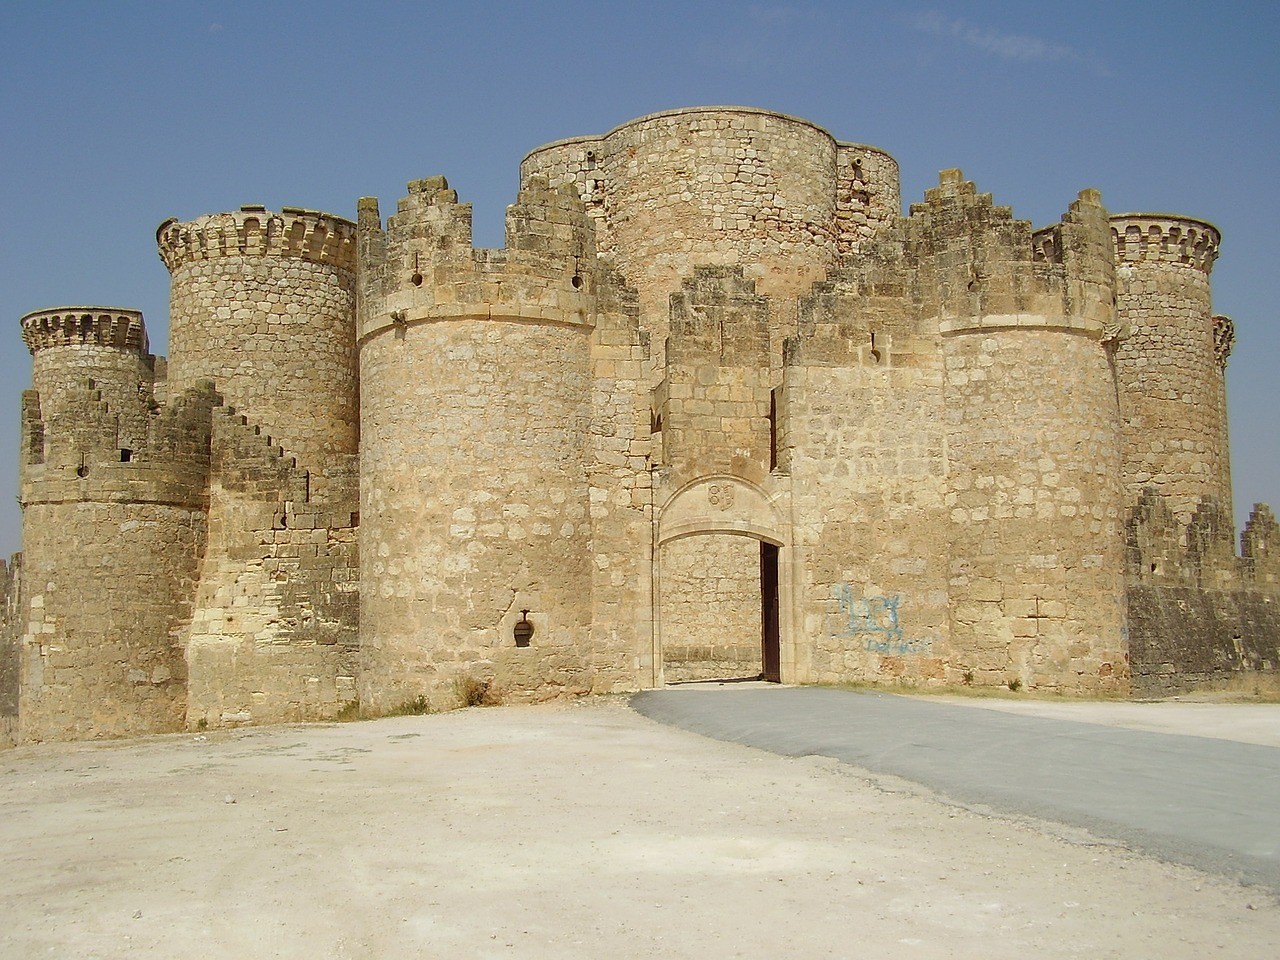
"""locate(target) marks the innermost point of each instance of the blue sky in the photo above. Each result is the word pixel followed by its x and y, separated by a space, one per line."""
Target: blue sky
pixel 119 115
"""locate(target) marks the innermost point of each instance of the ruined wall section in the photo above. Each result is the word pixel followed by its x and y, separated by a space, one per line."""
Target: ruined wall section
pixel 1033 444
pixel 111 548
pixel 864 441
pixel 723 186
pixel 476 402
pixel 274 634
pixel 263 304
pixel 10 648
pixel 1170 365
pixel 1202 618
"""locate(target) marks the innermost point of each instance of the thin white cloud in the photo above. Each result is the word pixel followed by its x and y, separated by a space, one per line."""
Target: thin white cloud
pixel 1016 47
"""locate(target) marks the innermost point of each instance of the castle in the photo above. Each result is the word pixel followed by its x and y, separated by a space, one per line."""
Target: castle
pixel 717 409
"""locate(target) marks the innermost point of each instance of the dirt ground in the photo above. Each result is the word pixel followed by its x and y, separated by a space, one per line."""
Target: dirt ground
pixel 566 831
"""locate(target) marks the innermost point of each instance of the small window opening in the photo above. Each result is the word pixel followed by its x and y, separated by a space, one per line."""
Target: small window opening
pixel 773 429
pixel 125 454
pixel 523 631
pixel 875 353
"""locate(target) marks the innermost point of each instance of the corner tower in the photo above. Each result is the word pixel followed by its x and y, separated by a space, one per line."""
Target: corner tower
pixel 113 501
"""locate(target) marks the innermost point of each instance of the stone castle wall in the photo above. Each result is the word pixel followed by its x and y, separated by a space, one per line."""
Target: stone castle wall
pixel 273 634
pixel 864 444
pixel 1201 616
pixel 716 409
pixel 110 553
pixel 476 400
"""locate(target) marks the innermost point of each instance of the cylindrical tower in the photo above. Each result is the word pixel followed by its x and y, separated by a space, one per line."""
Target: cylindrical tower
pixel 1169 373
pixel 73 347
pixel 723 186
pixel 263 304
pixel 475 424
pixel 113 509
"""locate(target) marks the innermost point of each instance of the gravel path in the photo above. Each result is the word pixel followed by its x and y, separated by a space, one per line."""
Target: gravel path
pixel 556 832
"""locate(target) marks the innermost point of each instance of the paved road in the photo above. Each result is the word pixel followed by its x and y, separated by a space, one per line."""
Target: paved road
pixel 1211 804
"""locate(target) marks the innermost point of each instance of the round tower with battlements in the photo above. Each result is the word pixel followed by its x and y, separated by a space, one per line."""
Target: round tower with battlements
pixel 263 305
pixel 99 348
pixel 1170 361
pixel 113 498
pixel 475 515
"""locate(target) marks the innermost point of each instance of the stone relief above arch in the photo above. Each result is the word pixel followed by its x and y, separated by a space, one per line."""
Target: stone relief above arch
pixel 720 504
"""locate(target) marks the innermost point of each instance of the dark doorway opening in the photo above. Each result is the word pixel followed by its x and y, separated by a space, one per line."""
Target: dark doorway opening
pixel 770 656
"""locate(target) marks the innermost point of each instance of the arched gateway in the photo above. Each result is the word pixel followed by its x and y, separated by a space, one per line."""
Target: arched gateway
pixel 721 585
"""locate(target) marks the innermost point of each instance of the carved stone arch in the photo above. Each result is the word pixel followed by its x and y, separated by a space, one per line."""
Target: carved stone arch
pixel 720 505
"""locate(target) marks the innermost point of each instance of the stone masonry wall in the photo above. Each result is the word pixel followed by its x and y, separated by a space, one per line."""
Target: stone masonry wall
pixel 474 507
pixel 865 446
pixel 1202 618
pixel 711 608
pixel 619 461
pixel 274 633
pixel 102 654
pixel 111 546
pixel 1036 542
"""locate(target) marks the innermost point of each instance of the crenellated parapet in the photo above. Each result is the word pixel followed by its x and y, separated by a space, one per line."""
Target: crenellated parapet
pixel 258 232
pixel 979 268
pixel 423 269
pixel 1164 238
pixel 114 327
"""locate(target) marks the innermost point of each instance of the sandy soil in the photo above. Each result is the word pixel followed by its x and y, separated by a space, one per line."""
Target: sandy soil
pixel 557 832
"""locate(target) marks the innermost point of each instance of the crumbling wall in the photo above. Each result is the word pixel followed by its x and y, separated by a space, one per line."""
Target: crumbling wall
pixel 1201 618
pixel 10 638
pixel 274 632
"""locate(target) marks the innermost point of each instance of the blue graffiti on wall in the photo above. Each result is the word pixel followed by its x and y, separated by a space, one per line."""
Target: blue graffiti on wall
pixel 874 620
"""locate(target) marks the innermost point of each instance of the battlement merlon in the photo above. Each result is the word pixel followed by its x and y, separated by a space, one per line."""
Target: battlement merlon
pixel 116 327
pixel 1165 238
pixel 255 231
